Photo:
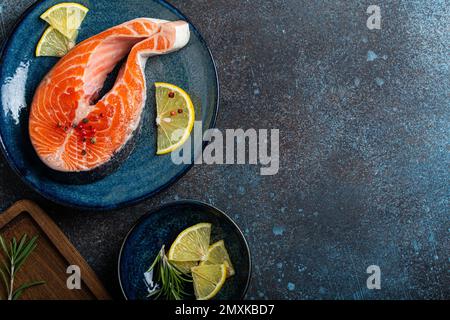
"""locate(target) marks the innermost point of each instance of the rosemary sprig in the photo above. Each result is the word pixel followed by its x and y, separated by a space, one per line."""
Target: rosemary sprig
pixel 169 281
pixel 17 253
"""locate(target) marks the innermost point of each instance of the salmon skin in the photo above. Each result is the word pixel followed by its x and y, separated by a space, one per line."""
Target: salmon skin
pixel 80 136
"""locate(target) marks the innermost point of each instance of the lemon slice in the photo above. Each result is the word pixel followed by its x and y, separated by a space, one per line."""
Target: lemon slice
pixel 208 280
pixel 218 254
pixel 53 44
pixel 66 17
pixel 184 266
pixel 175 117
pixel 191 244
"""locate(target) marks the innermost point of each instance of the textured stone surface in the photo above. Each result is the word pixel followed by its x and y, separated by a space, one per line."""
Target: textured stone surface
pixel 364 119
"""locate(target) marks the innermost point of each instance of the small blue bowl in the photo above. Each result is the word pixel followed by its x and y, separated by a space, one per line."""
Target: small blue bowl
pixel 161 226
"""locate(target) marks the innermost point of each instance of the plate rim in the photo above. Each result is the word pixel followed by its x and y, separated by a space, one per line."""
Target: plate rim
pixel 127 203
pixel 186 202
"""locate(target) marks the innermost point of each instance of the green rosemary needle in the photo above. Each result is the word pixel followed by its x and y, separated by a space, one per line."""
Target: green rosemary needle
pixel 16 253
pixel 164 280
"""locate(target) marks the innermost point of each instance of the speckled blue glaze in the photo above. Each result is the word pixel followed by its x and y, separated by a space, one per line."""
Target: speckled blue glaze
pixel 161 226
pixel 143 173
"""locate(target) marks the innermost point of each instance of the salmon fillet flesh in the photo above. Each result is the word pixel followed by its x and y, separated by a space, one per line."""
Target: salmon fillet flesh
pixel 72 129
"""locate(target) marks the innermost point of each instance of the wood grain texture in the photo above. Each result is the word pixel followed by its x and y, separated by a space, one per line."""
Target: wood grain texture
pixel 49 261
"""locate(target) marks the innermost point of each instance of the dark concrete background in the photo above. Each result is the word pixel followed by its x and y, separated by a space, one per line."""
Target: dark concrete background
pixel 364 120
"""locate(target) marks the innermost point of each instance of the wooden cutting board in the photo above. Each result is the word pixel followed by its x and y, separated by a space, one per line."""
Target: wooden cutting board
pixel 49 261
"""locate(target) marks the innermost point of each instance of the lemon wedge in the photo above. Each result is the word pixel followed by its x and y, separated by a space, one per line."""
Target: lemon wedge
pixel 66 17
pixel 53 44
pixel 175 117
pixel 192 244
pixel 208 280
pixel 218 254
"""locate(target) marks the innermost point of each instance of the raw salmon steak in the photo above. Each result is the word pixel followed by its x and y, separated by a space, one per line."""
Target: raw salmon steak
pixel 72 129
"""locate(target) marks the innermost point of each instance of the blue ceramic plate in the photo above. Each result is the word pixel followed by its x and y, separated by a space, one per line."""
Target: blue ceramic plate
pixel 143 174
pixel 161 227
